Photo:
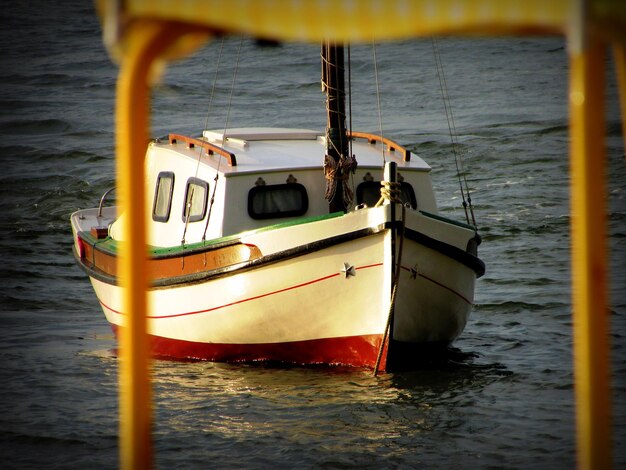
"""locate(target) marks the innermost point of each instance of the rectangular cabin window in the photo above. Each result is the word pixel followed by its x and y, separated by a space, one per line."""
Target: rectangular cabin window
pixel 277 201
pixel 368 193
pixel 163 197
pixel 196 196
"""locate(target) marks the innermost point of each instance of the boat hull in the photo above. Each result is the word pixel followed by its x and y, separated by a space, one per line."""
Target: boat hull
pixel 304 310
pixel 315 292
pixel 435 296
pixel 356 351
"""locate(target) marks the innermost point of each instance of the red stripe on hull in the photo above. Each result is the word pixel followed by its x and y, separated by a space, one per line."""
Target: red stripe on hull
pixel 260 296
pixel 357 351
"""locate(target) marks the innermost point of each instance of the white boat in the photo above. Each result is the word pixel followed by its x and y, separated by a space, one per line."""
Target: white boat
pixel 249 263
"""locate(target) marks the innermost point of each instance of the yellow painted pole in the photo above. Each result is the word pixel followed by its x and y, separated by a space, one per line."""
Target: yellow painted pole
pixel 132 133
pixel 589 255
pixel 619 52
pixel 145 42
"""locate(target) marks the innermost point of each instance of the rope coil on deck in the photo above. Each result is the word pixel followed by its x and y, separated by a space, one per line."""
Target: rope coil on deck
pixel 390 191
pixel 339 170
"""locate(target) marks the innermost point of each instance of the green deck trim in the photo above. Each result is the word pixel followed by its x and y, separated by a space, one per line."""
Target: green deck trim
pixel 108 245
pixel 450 221
pixel 229 238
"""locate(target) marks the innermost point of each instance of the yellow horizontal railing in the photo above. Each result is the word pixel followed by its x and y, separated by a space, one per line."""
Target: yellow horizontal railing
pixel 360 20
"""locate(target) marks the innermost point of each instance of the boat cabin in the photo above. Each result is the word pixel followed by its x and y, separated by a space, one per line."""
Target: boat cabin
pixel 224 184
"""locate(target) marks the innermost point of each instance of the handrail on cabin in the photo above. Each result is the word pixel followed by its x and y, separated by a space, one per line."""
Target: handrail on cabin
pixel 391 145
pixel 209 147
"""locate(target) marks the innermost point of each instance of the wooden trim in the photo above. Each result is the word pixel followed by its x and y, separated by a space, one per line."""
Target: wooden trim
pixel 210 148
pixel 191 268
pixel 391 145
pixel 95 258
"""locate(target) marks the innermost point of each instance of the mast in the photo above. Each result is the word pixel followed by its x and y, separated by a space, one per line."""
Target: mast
pixel 337 163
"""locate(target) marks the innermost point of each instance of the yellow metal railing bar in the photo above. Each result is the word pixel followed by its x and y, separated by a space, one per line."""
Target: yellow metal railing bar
pixel 145 43
pixel 361 20
pixel 589 256
pixel 619 52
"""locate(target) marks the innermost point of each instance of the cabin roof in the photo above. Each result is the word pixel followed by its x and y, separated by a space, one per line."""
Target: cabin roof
pixel 262 149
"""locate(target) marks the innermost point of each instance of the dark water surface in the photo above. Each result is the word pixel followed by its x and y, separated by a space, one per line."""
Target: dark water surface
pixel 502 398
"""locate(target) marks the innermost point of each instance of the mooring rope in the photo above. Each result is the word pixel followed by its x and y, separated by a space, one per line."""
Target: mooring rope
pixel 391 192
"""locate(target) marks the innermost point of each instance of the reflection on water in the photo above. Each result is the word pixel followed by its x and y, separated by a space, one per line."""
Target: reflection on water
pixel 316 415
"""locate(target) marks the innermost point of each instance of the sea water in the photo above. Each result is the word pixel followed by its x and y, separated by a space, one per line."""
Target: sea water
pixel 502 398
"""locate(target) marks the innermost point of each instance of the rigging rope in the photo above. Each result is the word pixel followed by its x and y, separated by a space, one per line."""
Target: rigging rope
pixel 230 101
pixel 350 115
pixel 380 116
pixel 206 123
pixel 458 158
pixel 217 69
pixel 232 90
pixel 200 149
pixel 187 214
pixel 219 161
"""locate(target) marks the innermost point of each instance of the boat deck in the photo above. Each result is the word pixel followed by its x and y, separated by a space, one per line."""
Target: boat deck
pixel 260 149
